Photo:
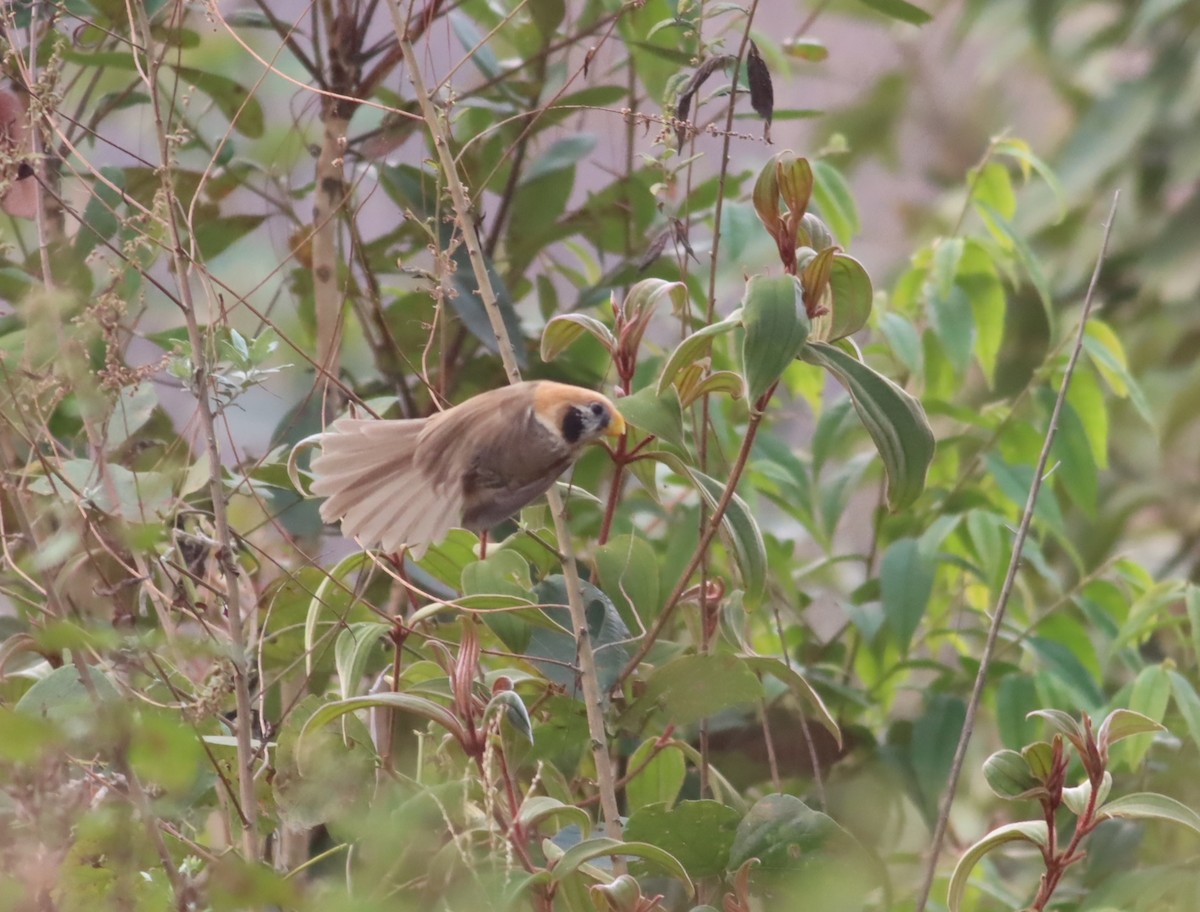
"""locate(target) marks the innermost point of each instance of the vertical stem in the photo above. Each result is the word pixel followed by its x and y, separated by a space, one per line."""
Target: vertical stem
pixel 589 678
pixel 985 660
pixel 200 384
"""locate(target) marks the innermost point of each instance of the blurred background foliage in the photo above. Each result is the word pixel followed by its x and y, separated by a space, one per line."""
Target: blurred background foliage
pixel 208 243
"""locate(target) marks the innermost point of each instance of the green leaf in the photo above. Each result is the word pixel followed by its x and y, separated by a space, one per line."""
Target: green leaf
pixel 1152 806
pixel 695 687
pixel 899 9
pixel 563 153
pixel 655 411
pixel 538 809
pixel 564 329
pixel 629 572
pixel 1077 797
pixel 832 195
pixel 906 584
pixel 515 710
pixel 852 297
pixel 953 321
pixel 556 646
pixel 697 833
pixel 353 649
pixel 783 833
pixel 583 852
pixel 418 706
pixel 661 772
pixel 1006 234
pixel 787 675
pixel 1032 831
pixel 934 738
pixel 1148 702
pixel 695 347
pixel 241 109
pixel 742 529
pixel 1188 703
pixel 809 49
pixel 1108 355
pixel 132 410
pixel 895 420
pixel 993 185
pixel 776 329
pixel 1008 776
pixel 62 698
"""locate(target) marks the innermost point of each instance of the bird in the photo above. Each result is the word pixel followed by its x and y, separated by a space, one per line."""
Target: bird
pixel 407 482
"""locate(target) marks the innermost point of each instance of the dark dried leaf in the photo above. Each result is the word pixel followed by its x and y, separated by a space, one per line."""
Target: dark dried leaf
pixel 684 106
pixel 762 92
pixel 654 251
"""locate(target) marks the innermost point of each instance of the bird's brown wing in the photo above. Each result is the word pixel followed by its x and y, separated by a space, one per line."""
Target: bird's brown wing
pixel 496 450
pixel 368 473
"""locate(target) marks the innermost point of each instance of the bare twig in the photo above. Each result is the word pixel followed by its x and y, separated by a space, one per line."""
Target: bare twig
pixel 587 660
pixel 183 269
pixel 939 831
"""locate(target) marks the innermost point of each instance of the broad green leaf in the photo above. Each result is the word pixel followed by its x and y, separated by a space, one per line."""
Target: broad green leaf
pixel 599 847
pixel 659 777
pixel 1108 354
pixel 1148 702
pixel 1090 404
pixel 1032 831
pixel 1077 797
pixel 629 573
pixel 164 751
pixel 515 711
pixel 1077 471
pixel 899 9
pixel 656 411
pixel 564 329
pixel 904 340
pixel 695 687
pixel 131 411
pixel 1006 234
pixel 776 329
pixel 1018 150
pixel 537 809
pixel 835 201
pixel 989 307
pixel 852 297
pixel 906 584
pixel 563 153
pixel 697 833
pixel 62 698
pixel 934 738
pixel 784 834
pixel 953 320
pixel 241 109
pixel 809 49
pixel 418 706
pixel 943 273
pixel 1009 776
pixel 993 185
pixel 353 649
pixel 1061 723
pixel 802 688
pixel 895 420
pixel 742 529
pixel 555 645
pixel 332 601
pixel 1188 703
pixel 1152 806
pixel 695 347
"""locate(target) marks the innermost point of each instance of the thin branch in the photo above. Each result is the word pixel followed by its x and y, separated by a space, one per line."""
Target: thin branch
pixel 939 832
pixel 237 632
pixel 587 660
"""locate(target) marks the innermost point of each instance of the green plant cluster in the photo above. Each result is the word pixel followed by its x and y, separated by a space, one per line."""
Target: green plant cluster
pixel 797 568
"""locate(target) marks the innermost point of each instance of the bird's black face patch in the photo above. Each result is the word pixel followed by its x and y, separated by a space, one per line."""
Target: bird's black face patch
pixel 584 422
pixel 573 425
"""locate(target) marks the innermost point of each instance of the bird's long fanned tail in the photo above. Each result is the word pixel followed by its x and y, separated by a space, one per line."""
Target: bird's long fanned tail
pixel 368 473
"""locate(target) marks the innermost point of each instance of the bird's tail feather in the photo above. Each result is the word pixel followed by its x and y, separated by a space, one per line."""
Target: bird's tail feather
pixel 367 475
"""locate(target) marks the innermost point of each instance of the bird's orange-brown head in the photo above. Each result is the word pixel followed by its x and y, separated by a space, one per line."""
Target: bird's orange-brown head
pixel 576 414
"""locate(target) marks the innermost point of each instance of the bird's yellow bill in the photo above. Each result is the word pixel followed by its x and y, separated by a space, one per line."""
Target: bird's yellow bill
pixel 616 427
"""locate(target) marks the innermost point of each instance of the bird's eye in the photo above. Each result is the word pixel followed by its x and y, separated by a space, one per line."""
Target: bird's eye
pixel 596 408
